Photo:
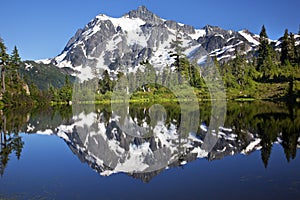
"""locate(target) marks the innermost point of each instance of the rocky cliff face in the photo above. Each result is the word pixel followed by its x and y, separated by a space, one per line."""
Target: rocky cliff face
pixel 120 44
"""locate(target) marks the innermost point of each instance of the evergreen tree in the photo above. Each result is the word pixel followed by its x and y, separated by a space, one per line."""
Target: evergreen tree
pixel 288 49
pixel 238 68
pixel 195 78
pixel 164 76
pixel 15 60
pixel 105 84
pixel 14 66
pixel 4 59
pixel 149 74
pixel 292 51
pixel 139 77
pixel 265 63
pixel 285 47
pixel 177 53
pixel 297 49
pixel 65 93
pixel 131 82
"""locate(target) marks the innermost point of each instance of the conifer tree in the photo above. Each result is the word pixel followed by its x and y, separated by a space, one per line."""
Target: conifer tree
pixel 288 49
pixel 238 68
pixel 15 59
pixel 105 84
pixel 14 66
pixel 292 51
pixel 4 59
pixel 177 53
pixel 265 63
pixel 284 47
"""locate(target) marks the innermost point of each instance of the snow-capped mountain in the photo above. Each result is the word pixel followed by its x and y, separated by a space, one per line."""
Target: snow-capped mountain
pixel 121 44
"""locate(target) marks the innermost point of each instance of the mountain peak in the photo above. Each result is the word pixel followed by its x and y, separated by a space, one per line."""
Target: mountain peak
pixel 143 13
pixel 143 9
pixel 121 44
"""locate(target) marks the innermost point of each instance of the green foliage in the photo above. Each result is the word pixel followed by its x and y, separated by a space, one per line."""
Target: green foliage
pixel 63 94
pixel 105 83
pixel 266 56
pixel 43 75
pixel 288 49
pixel 268 75
pixel 4 64
pixel 15 60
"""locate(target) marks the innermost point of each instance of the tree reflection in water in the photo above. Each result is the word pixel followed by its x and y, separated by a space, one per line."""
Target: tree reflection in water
pixel 266 122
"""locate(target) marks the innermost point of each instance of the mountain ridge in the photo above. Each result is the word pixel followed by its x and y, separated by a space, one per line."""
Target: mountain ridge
pixel 121 44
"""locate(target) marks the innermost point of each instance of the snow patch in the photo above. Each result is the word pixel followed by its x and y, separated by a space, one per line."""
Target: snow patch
pixel 63 135
pixel 135 159
pixel 126 23
pixel 44 61
pixel 219 35
pixel 203 127
pixel 202 60
pixel 201 153
pixel 251 146
pixel 28 67
pixel 223 150
pixel 183 163
pixel 198 33
pixel 248 37
pixel 30 128
pixel 222 57
pixel 84 73
pixel 45 132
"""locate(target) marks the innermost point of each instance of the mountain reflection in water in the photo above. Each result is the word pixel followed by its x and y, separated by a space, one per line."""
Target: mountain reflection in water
pixel 93 135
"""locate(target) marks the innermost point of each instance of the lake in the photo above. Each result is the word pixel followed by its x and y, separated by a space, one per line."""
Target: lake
pixel 147 151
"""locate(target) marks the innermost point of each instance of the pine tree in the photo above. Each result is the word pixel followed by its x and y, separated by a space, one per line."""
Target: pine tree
pixel 164 76
pixel 266 55
pixel 105 84
pixel 285 47
pixel 176 45
pixel 288 49
pixel 139 78
pixel 14 66
pixel 4 59
pixel 15 60
pixel 292 51
pixel 131 81
pixel 262 51
pixel 149 74
pixel 238 68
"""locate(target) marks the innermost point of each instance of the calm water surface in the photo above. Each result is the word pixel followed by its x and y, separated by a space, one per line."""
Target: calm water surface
pixel 82 153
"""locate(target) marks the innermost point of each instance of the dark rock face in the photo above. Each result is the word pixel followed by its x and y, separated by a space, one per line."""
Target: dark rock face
pixel 143 13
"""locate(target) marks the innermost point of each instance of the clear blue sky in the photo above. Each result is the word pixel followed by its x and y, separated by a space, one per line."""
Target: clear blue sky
pixel 41 28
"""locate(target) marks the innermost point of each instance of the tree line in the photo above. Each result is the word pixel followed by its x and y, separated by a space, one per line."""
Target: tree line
pixel 266 67
pixel 19 90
